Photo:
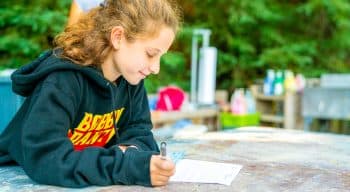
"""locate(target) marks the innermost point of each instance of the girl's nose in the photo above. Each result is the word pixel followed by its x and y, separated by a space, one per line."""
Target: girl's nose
pixel 154 67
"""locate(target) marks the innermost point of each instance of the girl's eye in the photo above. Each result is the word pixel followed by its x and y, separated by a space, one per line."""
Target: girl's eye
pixel 150 55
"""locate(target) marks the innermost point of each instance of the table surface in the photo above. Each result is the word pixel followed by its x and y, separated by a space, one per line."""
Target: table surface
pixel 273 160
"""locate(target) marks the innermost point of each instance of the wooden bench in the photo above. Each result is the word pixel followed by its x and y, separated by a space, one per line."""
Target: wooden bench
pixel 208 116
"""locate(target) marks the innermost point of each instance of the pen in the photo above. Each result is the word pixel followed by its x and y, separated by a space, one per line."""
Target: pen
pixel 163 150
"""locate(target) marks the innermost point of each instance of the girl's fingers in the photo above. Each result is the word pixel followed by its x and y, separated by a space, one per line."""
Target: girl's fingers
pixel 159 180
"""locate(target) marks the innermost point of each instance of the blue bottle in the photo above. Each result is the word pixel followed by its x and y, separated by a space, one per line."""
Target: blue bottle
pixel 268 87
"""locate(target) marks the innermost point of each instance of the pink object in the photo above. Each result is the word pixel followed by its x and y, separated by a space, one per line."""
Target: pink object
pixel 170 99
pixel 238 103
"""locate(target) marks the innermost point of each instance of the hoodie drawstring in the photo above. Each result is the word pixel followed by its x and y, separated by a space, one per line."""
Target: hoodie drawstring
pixel 130 104
pixel 113 110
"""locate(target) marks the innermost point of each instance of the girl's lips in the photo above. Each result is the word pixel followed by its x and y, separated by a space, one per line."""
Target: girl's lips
pixel 143 75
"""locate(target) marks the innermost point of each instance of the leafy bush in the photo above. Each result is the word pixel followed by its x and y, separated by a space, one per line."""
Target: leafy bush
pixel 28 28
pixel 309 37
pixel 306 36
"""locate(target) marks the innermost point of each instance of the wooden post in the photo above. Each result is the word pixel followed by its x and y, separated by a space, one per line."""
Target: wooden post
pixel 290 110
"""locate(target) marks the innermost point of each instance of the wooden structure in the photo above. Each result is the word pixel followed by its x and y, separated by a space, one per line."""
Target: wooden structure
pixel 203 115
pixel 208 116
pixel 279 111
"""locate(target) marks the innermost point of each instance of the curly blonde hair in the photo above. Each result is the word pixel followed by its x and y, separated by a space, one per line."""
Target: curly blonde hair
pixel 87 42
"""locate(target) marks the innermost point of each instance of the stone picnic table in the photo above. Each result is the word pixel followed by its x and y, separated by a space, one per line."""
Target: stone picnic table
pixel 273 159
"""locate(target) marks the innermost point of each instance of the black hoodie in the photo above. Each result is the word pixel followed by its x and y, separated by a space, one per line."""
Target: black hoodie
pixel 68 129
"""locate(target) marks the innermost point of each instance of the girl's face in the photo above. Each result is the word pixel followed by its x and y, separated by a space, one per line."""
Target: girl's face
pixel 140 58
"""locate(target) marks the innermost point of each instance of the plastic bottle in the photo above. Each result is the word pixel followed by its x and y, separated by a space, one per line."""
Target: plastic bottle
pixel 300 82
pixel 278 84
pixel 290 83
pixel 238 103
pixel 250 101
pixel 269 82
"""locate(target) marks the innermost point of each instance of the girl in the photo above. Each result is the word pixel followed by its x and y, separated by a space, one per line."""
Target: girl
pixel 86 120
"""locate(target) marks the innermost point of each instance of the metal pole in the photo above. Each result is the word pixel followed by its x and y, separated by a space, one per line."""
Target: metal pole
pixel 194 69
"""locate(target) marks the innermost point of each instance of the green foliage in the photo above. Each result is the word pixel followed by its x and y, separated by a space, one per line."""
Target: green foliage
pixel 172 69
pixel 306 36
pixel 309 37
pixel 28 28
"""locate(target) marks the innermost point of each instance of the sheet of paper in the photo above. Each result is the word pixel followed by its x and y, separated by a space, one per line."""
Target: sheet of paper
pixel 196 171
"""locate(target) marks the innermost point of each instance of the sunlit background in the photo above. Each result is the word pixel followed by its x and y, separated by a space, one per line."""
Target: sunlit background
pixel 306 37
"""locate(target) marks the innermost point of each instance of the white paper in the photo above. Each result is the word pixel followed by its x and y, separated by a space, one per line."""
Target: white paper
pixel 188 170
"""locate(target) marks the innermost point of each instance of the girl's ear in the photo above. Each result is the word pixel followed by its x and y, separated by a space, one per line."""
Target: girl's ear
pixel 116 35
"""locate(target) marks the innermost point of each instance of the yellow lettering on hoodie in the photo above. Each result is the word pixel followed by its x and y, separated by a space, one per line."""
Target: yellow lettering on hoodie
pixel 118 113
pixel 82 140
pixel 94 130
pixel 107 121
pixel 85 124
pixel 95 122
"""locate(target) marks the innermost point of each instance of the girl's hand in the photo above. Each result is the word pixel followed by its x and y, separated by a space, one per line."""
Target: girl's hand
pixel 161 170
pixel 123 147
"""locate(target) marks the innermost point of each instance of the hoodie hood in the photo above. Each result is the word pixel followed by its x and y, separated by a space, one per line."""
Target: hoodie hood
pixel 76 118
pixel 25 79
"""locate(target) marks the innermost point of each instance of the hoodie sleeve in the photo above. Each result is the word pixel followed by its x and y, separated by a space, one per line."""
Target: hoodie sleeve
pixel 138 131
pixel 48 155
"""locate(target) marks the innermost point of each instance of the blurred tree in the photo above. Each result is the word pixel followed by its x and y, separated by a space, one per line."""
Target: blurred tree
pixel 306 36
pixel 28 28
